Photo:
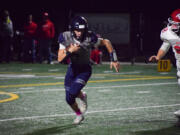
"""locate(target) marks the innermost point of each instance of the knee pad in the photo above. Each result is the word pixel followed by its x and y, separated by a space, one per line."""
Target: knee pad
pixel 70 99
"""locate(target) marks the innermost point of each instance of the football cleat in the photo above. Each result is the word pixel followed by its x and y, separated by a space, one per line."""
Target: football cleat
pixel 83 103
pixel 79 119
pixel 177 114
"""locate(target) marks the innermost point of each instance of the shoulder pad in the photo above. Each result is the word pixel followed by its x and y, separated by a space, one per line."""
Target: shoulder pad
pixel 63 36
pixel 164 33
pixel 93 36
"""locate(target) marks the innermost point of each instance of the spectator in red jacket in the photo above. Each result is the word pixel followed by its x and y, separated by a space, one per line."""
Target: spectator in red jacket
pixel 45 34
pixel 29 49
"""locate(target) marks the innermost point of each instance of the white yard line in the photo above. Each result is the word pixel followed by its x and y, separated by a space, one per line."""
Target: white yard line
pixel 90 112
pixel 105 90
pixel 22 76
pixel 11 76
pixel 27 69
pixel 143 92
pixel 27 88
pixel 128 73
pixel 134 85
pixel 53 70
pixel 99 87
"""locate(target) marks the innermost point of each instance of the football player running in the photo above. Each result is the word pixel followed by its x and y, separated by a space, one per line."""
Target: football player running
pixel 76 44
pixel 171 38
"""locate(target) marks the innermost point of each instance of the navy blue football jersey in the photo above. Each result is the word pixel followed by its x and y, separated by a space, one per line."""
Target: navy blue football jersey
pixel 82 56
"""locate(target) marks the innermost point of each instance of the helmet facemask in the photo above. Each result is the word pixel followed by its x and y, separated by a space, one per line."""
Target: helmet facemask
pixel 175 26
pixel 174 20
pixel 79 34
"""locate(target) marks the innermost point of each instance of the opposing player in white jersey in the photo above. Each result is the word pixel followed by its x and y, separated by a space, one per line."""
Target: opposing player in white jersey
pixel 76 44
pixel 171 38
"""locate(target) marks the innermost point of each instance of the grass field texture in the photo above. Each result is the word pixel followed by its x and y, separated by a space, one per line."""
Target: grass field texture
pixel 136 101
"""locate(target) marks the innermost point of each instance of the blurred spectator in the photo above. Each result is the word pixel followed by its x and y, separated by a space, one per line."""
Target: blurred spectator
pixel 96 56
pixel 45 34
pixel 29 48
pixel 6 36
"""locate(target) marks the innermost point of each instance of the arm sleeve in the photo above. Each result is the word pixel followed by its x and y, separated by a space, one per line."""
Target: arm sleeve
pixel 165 46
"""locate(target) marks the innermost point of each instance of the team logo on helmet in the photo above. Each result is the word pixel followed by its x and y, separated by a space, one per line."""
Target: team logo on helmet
pixel 78 23
pixel 178 16
pixel 174 20
pixel 175 15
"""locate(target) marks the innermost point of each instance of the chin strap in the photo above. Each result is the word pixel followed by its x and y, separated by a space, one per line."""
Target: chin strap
pixel 178 33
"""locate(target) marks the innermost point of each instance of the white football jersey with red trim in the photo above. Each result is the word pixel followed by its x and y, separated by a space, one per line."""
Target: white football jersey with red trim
pixel 170 38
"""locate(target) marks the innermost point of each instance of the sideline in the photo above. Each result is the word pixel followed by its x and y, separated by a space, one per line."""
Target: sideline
pixel 97 87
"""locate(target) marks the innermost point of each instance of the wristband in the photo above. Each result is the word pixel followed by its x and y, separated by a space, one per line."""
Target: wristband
pixel 113 56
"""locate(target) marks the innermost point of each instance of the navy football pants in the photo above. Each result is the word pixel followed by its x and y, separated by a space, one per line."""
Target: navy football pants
pixel 75 79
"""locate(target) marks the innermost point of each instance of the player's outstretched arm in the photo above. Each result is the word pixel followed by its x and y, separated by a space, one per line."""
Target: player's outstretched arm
pixel 114 61
pixel 157 57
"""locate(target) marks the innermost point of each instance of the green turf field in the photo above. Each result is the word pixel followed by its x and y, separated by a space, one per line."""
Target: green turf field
pixel 136 101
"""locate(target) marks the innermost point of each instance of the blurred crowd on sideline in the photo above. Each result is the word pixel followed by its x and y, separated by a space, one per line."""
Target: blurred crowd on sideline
pixel 33 43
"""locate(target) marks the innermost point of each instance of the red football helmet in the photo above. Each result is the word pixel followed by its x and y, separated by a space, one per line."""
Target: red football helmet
pixel 174 20
pixel 176 16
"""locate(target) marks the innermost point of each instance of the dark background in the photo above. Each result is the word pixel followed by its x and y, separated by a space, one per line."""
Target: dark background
pixel 153 14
